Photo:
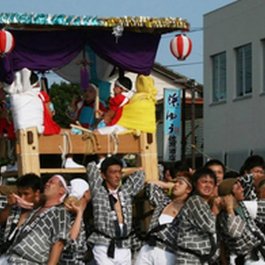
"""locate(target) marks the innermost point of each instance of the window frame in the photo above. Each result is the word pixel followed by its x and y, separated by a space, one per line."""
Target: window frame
pixel 219 77
pixel 243 65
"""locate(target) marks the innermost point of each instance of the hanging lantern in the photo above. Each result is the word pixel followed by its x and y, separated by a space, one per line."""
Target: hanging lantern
pixel 181 46
pixel 7 42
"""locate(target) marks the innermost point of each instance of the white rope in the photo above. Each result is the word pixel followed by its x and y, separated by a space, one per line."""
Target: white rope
pixel 66 148
pixel 115 140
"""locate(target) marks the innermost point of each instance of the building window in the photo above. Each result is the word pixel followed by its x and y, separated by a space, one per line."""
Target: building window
pixel 219 77
pixel 244 70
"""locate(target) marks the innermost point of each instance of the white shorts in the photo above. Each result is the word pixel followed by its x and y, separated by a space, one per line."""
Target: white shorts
pixel 155 256
pixel 122 256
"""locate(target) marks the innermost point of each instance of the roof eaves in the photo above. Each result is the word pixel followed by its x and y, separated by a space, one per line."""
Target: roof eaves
pixel 140 23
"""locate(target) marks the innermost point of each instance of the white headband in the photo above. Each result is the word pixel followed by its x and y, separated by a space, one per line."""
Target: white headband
pixel 117 83
pixel 185 180
pixel 93 86
pixel 63 182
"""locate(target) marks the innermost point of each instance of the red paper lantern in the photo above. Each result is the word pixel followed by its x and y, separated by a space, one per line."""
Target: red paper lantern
pixel 7 42
pixel 181 46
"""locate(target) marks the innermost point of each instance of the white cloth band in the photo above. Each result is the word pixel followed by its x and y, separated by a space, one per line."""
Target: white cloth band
pixel 62 180
pixel 117 83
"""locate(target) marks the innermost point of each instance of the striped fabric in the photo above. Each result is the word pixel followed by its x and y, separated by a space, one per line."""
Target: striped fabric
pixel 193 226
pixel 36 236
pixel 240 232
pixel 104 216
pixel 13 218
pixel 74 252
pixel 158 198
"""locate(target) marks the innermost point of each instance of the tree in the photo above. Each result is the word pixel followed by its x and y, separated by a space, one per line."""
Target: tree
pixel 62 96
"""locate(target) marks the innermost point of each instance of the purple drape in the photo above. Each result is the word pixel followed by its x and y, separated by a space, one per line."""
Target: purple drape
pixel 133 51
pixel 45 50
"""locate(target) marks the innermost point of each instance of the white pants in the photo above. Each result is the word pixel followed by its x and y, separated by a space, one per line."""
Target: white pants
pixel 122 256
pixel 154 256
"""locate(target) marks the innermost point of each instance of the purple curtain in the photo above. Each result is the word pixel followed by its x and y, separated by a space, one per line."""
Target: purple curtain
pixel 45 50
pixel 132 51
pixel 41 50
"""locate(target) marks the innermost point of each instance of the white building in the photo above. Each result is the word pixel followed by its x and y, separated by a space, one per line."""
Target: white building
pixel 234 82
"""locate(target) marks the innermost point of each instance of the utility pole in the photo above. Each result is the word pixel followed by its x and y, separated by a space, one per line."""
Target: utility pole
pixel 192 84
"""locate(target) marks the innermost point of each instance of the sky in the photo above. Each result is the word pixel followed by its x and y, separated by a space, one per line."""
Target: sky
pixel 190 10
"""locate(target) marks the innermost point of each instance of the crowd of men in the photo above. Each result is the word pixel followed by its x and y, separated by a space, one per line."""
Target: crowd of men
pixel 206 216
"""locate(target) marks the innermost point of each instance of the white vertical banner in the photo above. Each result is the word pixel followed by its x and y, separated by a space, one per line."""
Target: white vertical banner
pixel 172 124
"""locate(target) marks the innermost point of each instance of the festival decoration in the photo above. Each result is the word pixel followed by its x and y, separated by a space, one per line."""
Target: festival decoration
pixel 134 23
pixel 6 42
pixel 84 71
pixel 117 32
pixel 181 46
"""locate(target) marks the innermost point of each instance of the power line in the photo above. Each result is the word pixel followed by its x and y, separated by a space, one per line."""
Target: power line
pixel 169 35
pixel 184 64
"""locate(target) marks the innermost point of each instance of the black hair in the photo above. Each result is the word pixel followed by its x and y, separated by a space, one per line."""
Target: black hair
pixel 231 174
pixel 181 166
pixel 33 78
pixel 199 173
pixel 109 161
pixel 168 166
pixel 215 162
pixel 30 180
pixel 125 81
pixel 251 162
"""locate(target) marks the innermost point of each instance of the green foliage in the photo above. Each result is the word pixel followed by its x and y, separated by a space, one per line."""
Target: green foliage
pixel 62 96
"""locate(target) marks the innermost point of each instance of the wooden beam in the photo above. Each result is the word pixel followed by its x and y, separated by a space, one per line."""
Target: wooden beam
pixel 30 145
pixel 28 151
pixel 88 144
pixel 125 171
pixel 63 170
pixel 148 155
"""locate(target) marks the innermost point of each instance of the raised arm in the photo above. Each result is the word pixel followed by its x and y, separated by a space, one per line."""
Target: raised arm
pixel 156 194
pixel 79 211
pixel 135 182
pixel 93 176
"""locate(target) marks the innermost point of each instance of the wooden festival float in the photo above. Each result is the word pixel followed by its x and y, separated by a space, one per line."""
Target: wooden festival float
pixel 49 42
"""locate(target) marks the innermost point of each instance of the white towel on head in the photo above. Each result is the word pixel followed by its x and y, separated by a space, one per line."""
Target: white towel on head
pixel 78 187
pixel 63 182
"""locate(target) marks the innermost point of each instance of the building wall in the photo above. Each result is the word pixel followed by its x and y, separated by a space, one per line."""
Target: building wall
pixel 235 128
